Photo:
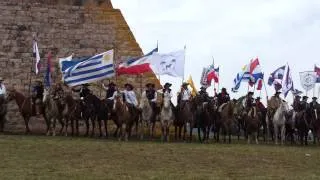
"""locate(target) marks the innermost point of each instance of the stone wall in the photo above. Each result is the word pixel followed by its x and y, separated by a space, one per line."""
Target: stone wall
pixel 62 27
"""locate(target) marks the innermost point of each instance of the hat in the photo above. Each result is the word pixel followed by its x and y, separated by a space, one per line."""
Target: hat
pixel 305 97
pixel 297 96
pixel 1 78
pixel 278 92
pixel 258 98
pixel 111 84
pixel 167 85
pixel 150 84
pixel 185 84
pixel 223 89
pixel 314 98
pixel 202 87
pixel 128 85
pixel 250 93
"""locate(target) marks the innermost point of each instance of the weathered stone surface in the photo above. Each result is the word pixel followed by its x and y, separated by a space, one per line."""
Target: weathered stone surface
pixel 82 27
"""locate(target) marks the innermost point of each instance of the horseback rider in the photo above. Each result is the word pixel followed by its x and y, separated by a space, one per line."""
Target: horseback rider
pixel 83 91
pixel 249 102
pixel 2 89
pixel 223 97
pixel 151 95
pixel 304 103
pixel 130 98
pixel 184 95
pixel 314 104
pixel 111 91
pixel 37 96
pixel 259 104
pixel 296 103
pixel 58 91
pixel 274 103
pixel 204 94
pixel 166 89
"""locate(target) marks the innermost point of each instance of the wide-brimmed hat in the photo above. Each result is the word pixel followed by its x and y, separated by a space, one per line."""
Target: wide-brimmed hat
pixel 278 92
pixel 185 84
pixel 250 92
pixel 150 85
pixel 202 87
pixel 128 85
pixel 111 84
pixel 223 89
pixel 297 96
pixel 258 98
pixel 305 97
pixel 314 98
pixel 167 85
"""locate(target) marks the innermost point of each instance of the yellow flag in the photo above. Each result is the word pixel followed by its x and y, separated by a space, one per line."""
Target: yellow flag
pixel 194 90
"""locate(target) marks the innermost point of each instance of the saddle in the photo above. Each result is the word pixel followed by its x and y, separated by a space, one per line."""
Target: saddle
pixel 221 107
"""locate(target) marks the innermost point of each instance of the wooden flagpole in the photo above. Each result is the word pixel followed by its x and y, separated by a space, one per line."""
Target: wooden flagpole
pixel 185 48
pixel 32 64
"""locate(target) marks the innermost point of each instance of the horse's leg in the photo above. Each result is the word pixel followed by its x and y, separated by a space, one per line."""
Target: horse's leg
pixel 142 124
pixel 229 133
pixel 93 124
pixel 62 125
pixel 26 121
pixel 54 127
pixel 66 126
pixel 190 131
pixel 120 133
pixel 106 127
pixel 256 137
pixel 167 132
pixel 87 126
pixel 283 134
pixel 72 126
pixel 126 131
pixel 275 133
pixel 100 128
pixel 175 132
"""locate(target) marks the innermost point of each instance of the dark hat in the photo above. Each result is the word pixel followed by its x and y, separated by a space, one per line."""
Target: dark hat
pixel 258 98
pixel 250 93
pixel 150 84
pixel 167 84
pixel 305 97
pixel 314 98
pixel 128 85
pixel 278 92
pixel 111 84
pixel 297 96
pixel 185 84
pixel 223 89
pixel 86 84
pixel 202 87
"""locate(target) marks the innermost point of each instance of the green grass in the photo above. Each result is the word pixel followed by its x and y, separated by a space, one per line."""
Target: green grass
pixel 40 157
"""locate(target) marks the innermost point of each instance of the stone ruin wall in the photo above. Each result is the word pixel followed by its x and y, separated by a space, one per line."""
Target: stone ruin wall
pixel 82 27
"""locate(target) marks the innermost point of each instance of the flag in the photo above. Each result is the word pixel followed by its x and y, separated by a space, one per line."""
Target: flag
pixel 171 64
pixel 137 65
pixel 88 70
pixel 296 92
pixel 194 90
pixel 317 70
pixel 250 73
pixel 260 83
pixel 47 77
pixel 203 80
pixel 64 60
pixel 213 74
pixel 36 55
pixel 276 77
pixel 287 82
pixel 308 79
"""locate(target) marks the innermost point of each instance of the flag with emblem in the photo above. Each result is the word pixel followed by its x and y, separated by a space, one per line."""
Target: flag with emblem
pixel 88 70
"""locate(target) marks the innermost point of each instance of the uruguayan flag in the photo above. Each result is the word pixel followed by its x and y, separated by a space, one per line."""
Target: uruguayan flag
pixel 88 70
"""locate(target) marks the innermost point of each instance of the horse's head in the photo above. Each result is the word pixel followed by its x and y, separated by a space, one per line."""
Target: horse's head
pixel 144 102
pixel 284 107
pixel 118 101
pixel 166 100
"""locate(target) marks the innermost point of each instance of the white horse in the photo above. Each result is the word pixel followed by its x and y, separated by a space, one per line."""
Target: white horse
pixel 166 117
pixel 51 112
pixel 146 115
pixel 279 121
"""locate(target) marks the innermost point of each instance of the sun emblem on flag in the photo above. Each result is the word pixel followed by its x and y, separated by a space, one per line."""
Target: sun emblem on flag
pixel 107 58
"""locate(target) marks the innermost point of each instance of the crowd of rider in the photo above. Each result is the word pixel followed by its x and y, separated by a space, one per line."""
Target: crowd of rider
pixel 150 92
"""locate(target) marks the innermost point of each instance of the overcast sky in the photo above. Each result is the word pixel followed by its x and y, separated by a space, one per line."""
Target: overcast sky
pixel 233 32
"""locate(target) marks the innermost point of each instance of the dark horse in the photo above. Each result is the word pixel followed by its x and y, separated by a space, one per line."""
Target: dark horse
pixel 25 106
pixel 71 113
pixel 185 115
pixel 303 124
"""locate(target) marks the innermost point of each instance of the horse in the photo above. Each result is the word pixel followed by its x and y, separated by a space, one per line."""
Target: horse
pixel 185 116
pixel 279 121
pixel 3 112
pixel 316 123
pixel 166 117
pixel 145 116
pixel 51 112
pixel 25 106
pixel 252 121
pixel 227 115
pixel 71 113
pixel 239 109
pixel 124 118
pixel 103 115
pixel 202 118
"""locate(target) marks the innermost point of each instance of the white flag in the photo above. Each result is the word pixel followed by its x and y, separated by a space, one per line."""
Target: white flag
pixel 287 83
pixel 36 55
pixel 171 64
pixel 308 80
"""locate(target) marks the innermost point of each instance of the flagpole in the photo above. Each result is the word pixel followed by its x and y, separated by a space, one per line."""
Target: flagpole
pixel 115 61
pixel 32 64
pixel 265 88
pixel 184 63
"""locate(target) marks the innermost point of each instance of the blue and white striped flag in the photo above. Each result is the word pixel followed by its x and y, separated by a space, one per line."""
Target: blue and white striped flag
pixel 88 70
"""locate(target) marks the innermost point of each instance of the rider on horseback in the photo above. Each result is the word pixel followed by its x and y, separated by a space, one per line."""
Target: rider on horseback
pixel 111 90
pixel 260 105
pixel 203 94
pixel 37 96
pixel 304 103
pixel 314 104
pixel 58 91
pixel 249 102
pixel 2 89
pixel 184 95
pixel 130 98
pixel 296 103
pixel 84 91
pixel 274 103
pixel 151 95
pixel 223 97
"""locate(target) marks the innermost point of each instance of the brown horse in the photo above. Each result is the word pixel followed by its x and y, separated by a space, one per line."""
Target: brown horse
pixel 124 118
pixel 25 106
pixel 252 120
pixel 3 112
pixel 227 115
pixel 185 116
pixel 71 113
pixel 316 123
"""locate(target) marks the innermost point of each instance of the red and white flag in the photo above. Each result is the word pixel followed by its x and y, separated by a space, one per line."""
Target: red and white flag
pixel 36 55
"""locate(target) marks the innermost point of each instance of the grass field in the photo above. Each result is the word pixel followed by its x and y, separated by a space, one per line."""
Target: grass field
pixel 40 157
